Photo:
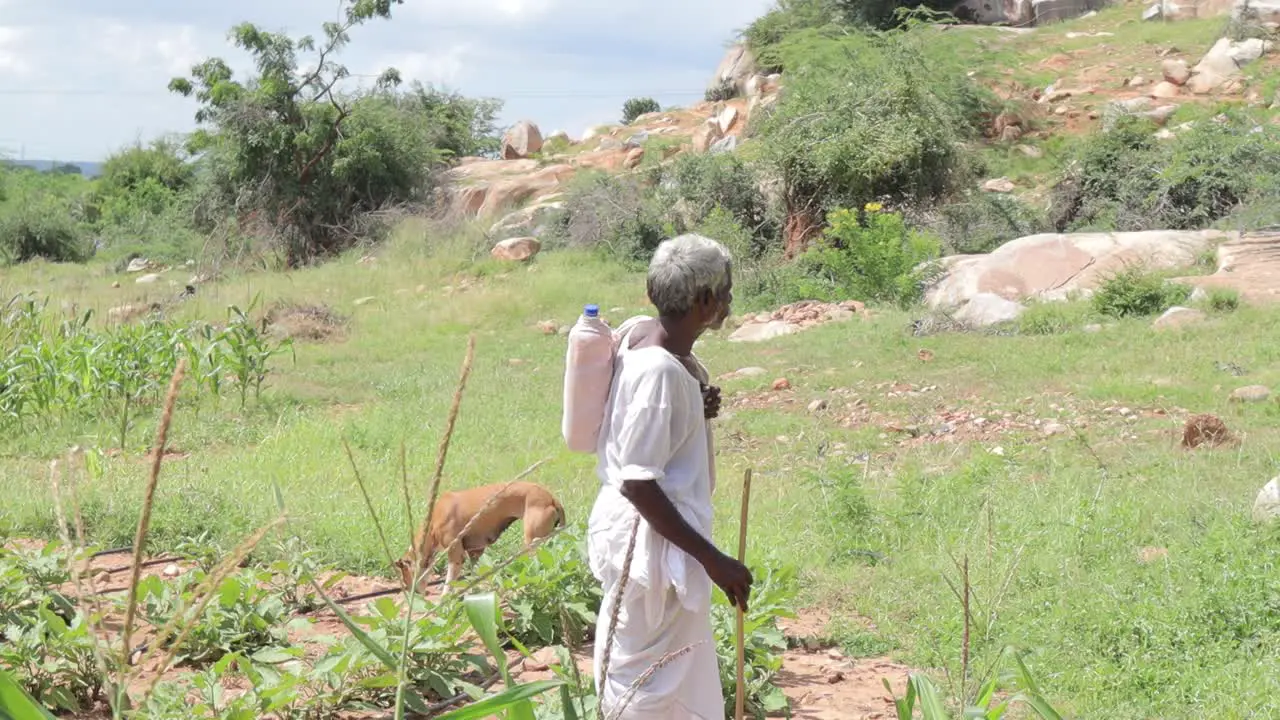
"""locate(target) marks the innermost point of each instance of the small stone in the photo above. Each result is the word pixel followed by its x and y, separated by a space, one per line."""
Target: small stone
pixel 548 327
pixel 1000 185
pixel 1053 428
pixel 116 284
pixel 782 384
pixel 1177 317
pixel 1031 151
pixel 1266 507
pixel 516 249
pixel 137 265
pixel 997 451
pixel 1251 394
pixel 925 355
pixel 102 579
pixel 1124 412
pixel 1092 328
pixel 171 570
pixel 1175 71
pixel 364 300
pixel 1061 110
pixel 746 372
pixel 834 676
pixel 817 405
pixel 1137 81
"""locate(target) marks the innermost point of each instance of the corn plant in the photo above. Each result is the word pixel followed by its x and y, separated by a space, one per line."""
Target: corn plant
pixel 249 349
pixel 992 701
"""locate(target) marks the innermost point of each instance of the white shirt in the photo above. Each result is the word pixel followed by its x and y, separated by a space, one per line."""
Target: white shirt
pixel 655 429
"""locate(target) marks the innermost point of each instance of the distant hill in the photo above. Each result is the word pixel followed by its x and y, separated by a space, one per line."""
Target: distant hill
pixel 88 169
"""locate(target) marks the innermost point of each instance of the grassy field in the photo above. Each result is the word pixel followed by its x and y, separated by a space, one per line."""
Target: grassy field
pixel 1128 564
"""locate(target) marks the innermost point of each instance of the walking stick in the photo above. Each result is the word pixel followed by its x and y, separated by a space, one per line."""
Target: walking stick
pixel 742 558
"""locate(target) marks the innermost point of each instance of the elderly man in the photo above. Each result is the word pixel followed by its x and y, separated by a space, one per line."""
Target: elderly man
pixel 650 529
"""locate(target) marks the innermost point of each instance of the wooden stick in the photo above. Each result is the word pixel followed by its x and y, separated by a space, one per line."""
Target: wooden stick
pixel 742 640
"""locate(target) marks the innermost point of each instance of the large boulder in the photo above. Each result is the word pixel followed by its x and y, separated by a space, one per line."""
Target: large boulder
pixel 521 141
pixel 532 220
pixel 986 309
pixel 735 69
pixel 1053 266
pixel 1223 62
pixel 706 135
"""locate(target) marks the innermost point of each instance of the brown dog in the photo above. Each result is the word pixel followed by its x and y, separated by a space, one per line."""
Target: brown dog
pixel 497 507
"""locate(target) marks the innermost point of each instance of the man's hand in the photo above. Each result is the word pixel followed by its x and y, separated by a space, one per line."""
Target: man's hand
pixel 733 578
pixel 710 401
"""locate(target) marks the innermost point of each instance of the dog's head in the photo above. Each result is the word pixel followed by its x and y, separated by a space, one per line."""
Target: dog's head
pixel 405 567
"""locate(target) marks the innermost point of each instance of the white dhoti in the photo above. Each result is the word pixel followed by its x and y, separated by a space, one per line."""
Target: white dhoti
pixel 662 661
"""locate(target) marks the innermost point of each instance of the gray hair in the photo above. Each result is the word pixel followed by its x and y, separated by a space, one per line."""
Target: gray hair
pixel 685 267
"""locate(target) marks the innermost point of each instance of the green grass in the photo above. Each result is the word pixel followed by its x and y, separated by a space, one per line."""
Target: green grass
pixel 1051 531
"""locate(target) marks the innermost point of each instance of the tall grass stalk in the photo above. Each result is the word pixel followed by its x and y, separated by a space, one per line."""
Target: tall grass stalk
pixel 144 521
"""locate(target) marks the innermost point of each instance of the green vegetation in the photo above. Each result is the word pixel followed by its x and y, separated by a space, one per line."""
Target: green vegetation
pixel 635 107
pixel 940 499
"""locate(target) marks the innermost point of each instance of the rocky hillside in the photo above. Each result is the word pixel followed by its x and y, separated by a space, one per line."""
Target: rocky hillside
pixel 1175 65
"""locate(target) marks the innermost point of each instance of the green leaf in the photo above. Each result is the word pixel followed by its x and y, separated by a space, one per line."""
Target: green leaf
pixel 931 705
pixel 509 699
pixel 16 704
pixel 378 651
pixel 273 656
pixel 482 612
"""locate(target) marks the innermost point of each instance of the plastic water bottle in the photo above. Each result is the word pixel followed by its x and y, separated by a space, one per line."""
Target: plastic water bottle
pixel 588 375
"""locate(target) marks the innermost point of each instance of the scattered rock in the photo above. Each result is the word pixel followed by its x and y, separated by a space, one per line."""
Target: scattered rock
pixel 1000 185
pixel 171 570
pixel 516 249
pixel 1178 317
pixel 1250 394
pixel 1053 428
pixel 817 405
pixel 727 118
pixel 532 220
pixel 1175 71
pixel 148 279
pixel 728 143
pixel 1266 507
pixel 781 384
pixel 548 327
pixel 759 332
pixel 364 300
pixel 521 141
pixel 1092 328
pixel 986 309
pixel 1160 115
pixel 633 159
pixel 115 285
pixel 137 265
pixel 925 355
pixel 1204 429
pixel 746 372
pixel 1165 90
pixel 102 579
pixel 706 135
pixel 1031 151
pixel 1137 81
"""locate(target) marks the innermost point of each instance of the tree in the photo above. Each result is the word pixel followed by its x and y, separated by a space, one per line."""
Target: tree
pixel 289 152
pixel 864 117
pixel 635 107
pixel 463 126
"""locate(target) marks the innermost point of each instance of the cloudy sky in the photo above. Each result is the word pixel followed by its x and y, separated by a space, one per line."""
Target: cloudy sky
pixel 80 78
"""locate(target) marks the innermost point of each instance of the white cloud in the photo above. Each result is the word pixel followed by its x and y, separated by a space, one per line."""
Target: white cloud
pixel 12 51
pixel 99 70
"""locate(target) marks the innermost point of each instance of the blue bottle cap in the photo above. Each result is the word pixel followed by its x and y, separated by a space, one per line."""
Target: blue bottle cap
pixel 591 311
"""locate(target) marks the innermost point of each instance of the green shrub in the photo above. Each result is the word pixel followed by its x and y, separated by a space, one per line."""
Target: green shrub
pixel 984 221
pixel 695 185
pixel 720 92
pixel 635 107
pixel 1134 292
pixel 1051 318
pixel 1222 300
pixel 1126 179
pixel 866 117
pixel 617 214
pixel 875 257
pixel 45 229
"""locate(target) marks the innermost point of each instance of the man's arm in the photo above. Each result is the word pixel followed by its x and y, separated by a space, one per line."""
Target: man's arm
pixel 656 508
